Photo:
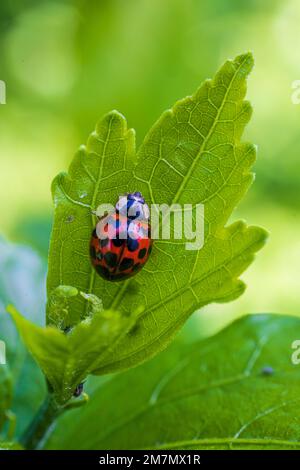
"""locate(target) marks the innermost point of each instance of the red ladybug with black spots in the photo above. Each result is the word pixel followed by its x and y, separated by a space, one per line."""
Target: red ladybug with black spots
pixel 121 241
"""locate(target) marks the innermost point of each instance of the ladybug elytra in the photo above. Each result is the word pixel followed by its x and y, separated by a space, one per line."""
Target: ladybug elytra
pixel 121 243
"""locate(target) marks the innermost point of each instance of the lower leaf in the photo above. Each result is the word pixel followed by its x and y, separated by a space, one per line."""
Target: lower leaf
pixel 10 446
pixel 236 390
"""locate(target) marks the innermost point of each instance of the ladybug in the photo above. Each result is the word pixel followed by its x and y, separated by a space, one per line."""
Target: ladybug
pixel 121 241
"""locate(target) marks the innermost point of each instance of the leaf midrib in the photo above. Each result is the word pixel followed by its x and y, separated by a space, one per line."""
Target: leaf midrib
pixel 180 396
pixel 174 295
pixel 193 392
pixel 93 218
pixel 231 442
pixel 187 176
pixel 205 141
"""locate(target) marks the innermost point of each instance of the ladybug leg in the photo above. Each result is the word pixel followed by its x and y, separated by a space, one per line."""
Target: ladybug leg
pixel 78 390
pixel 67 329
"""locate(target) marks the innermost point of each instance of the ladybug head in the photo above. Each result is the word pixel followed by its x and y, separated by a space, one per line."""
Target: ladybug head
pixel 137 196
pixel 133 206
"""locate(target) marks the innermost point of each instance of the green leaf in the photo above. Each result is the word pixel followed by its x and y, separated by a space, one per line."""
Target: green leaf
pixel 5 393
pixel 66 359
pixel 99 173
pixel 57 309
pixel 58 306
pixel 236 390
pixel 193 154
pixel 10 446
pixel 22 281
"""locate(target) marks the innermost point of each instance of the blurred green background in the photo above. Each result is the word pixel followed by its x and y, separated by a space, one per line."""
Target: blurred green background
pixel 65 63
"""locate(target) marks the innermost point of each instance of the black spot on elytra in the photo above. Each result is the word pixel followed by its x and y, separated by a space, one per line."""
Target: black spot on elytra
pixel 142 253
pixel 132 244
pixel 136 267
pixel 117 242
pixel 103 242
pixel 104 272
pixel 126 263
pixel 111 259
pixel 99 255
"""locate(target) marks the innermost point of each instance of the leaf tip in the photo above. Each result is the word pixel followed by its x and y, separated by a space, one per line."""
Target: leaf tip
pixel 56 186
pixel 263 236
pixel 117 114
pixel 112 117
pixel 11 309
pixel 240 288
pixel 116 124
pixel 246 60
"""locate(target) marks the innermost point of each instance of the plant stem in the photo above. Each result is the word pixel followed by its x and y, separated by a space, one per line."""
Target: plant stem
pixel 37 429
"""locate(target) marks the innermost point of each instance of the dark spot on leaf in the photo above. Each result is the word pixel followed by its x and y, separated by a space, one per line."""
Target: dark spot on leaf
pixel 134 330
pixel 267 370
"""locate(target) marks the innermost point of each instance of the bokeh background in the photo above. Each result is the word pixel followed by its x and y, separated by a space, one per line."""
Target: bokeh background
pixel 65 63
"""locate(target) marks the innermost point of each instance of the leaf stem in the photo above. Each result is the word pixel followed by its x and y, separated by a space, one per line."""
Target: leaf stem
pixel 37 430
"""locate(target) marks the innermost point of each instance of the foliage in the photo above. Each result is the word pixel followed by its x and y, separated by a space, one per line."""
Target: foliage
pixel 195 147
pixel 236 390
pixel 192 155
